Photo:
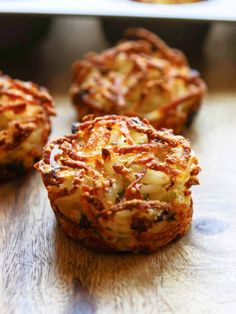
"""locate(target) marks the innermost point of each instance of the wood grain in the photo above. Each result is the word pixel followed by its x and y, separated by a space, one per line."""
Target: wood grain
pixel 42 271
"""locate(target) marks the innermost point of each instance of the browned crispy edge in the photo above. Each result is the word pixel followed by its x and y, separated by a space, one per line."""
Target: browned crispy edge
pixel 88 239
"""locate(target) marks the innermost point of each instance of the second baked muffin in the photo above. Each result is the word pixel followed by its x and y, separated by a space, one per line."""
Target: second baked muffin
pixel 143 77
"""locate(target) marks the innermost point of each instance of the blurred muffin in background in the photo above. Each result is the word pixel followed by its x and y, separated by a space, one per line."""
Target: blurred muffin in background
pixel 142 77
pixel 168 1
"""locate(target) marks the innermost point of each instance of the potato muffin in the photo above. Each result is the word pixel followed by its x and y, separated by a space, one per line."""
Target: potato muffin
pixel 117 184
pixel 144 78
pixel 25 109
pixel 168 1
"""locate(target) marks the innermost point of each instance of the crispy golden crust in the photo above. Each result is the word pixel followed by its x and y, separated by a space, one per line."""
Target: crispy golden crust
pixel 168 1
pixel 143 244
pixel 25 109
pixel 143 77
pixel 117 184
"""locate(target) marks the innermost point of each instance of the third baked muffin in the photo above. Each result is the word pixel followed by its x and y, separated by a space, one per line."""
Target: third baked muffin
pixel 25 111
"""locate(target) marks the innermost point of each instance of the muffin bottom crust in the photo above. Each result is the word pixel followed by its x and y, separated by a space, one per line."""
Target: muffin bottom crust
pixel 88 238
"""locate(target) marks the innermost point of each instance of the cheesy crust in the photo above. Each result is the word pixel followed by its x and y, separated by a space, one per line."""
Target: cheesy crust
pixel 25 109
pixel 143 77
pixel 117 184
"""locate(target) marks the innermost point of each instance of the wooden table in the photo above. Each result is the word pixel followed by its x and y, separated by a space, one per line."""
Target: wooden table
pixel 42 271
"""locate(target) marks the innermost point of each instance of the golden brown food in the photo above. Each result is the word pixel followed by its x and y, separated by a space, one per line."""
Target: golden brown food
pixel 117 184
pixel 142 78
pixel 25 109
pixel 168 1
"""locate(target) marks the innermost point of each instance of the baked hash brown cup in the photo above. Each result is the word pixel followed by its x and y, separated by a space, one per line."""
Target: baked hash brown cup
pixel 144 78
pixel 168 1
pixel 25 109
pixel 117 184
